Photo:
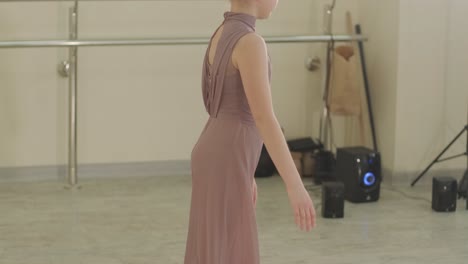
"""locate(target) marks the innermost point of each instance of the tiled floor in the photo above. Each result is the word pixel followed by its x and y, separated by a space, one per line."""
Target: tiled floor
pixel 144 220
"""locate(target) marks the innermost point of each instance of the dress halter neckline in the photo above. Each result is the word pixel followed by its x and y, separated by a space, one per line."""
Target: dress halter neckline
pixel 246 18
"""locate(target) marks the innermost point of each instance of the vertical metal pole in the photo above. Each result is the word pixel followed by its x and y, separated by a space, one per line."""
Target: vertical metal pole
pixel 324 119
pixel 72 97
pixel 367 89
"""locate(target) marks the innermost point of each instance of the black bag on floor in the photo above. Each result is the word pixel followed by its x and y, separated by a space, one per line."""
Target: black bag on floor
pixel 265 167
pixel 324 166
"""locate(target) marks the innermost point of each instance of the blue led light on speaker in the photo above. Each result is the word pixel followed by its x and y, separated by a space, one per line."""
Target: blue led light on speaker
pixel 369 179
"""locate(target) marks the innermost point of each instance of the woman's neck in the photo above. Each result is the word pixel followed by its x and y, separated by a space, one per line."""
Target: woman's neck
pixel 243 8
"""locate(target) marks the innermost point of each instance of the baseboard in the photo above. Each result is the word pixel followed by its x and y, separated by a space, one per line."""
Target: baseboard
pixel 175 167
pixel 91 171
pixel 407 177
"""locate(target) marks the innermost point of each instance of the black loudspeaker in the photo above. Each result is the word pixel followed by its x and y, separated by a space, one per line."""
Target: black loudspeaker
pixel 333 200
pixel 265 166
pixel 444 194
pixel 360 170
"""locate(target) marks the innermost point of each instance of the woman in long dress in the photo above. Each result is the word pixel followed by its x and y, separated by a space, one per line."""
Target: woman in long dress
pixel 236 93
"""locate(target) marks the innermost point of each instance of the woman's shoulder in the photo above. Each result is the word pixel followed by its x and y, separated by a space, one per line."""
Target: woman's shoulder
pixel 250 46
pixel 250 42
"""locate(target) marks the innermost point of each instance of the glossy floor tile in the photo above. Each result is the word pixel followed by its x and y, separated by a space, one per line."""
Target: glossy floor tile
pixel 144 220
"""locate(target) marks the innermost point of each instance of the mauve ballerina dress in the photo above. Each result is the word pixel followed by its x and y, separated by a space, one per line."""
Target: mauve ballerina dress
pixel 222 226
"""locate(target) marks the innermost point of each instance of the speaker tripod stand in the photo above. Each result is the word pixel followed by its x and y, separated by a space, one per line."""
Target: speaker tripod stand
pixel 463 185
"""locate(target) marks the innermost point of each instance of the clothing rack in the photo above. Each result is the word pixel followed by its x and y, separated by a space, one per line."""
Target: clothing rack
pixel 69 68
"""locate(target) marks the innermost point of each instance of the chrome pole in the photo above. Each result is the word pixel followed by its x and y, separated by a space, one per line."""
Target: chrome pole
pixel 72 98
pixel 167 41
pixel 324 134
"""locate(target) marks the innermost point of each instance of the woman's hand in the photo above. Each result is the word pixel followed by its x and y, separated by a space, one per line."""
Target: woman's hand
pixel 303 207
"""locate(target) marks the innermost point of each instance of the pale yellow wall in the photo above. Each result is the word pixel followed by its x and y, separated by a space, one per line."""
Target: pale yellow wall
pixel 379 21
pixel 431 95
pixel 144 103
pixel 32 97
pixel 417 68
pixel 134 103
pixel 421 81
pixel 456 98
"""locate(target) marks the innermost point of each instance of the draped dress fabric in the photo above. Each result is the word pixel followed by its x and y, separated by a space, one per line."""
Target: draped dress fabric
pixel 222 225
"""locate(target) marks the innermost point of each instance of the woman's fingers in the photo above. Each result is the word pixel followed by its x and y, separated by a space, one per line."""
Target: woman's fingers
pixel 308 219
pixel 303 219
pixel 304 211
pixel 297 216
pixel 313 216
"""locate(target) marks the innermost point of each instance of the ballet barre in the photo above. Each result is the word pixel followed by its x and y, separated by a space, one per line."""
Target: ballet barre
pixel 159 42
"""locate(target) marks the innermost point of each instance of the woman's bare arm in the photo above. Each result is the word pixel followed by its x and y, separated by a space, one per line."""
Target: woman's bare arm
pixel 251 58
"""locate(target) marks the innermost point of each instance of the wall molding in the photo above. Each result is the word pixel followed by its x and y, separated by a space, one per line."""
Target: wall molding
pixel 406 177
pixel 175 167
pixel 90 171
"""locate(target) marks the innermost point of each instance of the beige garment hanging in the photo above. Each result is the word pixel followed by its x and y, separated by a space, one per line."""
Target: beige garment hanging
pixel 344 96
